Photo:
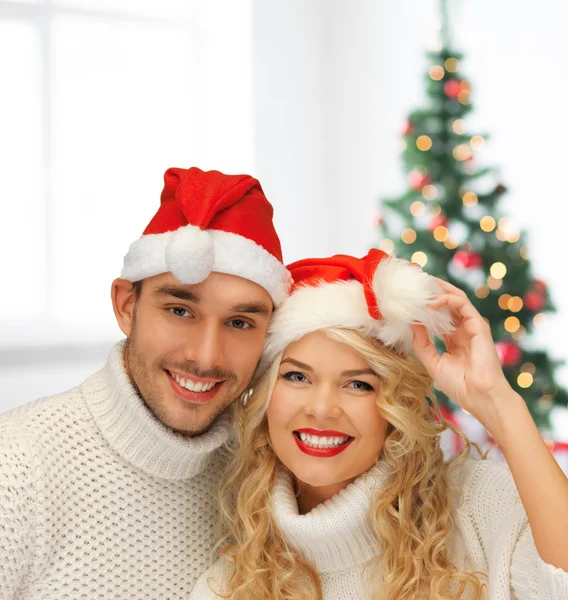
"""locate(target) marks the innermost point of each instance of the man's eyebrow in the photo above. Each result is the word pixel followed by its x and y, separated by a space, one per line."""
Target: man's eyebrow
pixel 176 292
pixel 259 308
pixel 356 372
pixel 299 364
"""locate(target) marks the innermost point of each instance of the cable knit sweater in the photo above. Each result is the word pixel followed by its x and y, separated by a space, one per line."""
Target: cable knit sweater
pixel 491 534
pixel 99 500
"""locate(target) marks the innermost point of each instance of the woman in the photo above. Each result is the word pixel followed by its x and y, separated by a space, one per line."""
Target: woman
pixel 339 489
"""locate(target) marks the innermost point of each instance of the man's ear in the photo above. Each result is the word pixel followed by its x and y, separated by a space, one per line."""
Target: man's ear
pixel 123 303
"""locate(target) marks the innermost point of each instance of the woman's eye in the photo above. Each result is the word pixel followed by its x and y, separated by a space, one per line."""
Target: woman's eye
pixel 295 376
pixel 361 385
pixel 239 324
pixel 180 312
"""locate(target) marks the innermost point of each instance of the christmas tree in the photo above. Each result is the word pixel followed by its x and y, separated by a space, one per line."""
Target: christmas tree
pixel 449 222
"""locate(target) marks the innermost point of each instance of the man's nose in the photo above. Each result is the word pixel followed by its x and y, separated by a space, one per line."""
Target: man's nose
pixel 206 345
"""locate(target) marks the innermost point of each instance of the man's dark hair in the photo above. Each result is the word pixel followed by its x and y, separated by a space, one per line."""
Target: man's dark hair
pixel 137 287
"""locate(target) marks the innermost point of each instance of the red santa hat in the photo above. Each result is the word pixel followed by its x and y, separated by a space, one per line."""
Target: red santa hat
pixel 379 294
pixel 210 222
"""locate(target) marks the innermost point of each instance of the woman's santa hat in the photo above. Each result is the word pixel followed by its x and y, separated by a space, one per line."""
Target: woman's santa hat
pixel 379 294
pixel 210 222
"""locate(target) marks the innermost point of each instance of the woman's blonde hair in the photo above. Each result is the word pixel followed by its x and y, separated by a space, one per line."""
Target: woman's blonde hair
pixel 410 515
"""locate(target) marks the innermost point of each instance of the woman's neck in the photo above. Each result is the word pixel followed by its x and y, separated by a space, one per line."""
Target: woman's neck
pixel 310 496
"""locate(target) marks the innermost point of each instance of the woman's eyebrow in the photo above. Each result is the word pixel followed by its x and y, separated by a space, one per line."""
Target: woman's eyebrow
pixel 359 372
pixel 299 364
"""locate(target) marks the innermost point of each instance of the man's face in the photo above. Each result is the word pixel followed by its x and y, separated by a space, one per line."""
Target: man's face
pixel 192 349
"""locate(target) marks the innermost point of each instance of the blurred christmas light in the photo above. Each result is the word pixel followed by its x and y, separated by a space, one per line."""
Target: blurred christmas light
pixel 408 236
pixel 459 126
pixel 500 235
pixel 487 223
pixel 504 301
pixel 498 270
pixel 519 334
pixel 528 368
pixel 545 403
pixel 464 97
pixel 462 152
pixel 525 380
pixel 524 252
pixel 441 233
pixel 482 291
pixel 538 319
pixel 417 208
pixel 419 258
pixel 386 245
pixel 436 209
pixel 515 304
pixel 403 146
pixel 514 237
pixel 470 199
pixel 437 72
pixel 477 142
pixel 493 283
pixel 452 64
pixel 512 324
pixel 429 192
pixel 423 143
pixel 451 244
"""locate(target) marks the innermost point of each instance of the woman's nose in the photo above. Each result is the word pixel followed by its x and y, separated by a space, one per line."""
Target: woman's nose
pixel 323 403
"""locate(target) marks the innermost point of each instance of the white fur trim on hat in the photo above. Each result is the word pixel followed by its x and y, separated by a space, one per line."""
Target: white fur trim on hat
pixel 191 254
pixel 403 292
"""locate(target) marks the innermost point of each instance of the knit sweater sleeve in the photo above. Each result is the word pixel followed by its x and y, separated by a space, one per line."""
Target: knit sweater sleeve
pixel 215 578
pixel 17 512
pixel 515 568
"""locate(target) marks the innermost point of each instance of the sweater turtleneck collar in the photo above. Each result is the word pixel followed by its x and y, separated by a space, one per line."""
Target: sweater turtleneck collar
pixel 337 534
pixel 137 435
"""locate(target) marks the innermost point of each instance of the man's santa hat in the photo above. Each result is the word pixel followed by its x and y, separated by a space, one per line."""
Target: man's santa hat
pixel 378 294
pixel 210 222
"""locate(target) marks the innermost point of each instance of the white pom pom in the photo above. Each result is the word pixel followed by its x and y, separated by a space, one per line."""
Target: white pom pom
pixel 403 292
pixel 189 255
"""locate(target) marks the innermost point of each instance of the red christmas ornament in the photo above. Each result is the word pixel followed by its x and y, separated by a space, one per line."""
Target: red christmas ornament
pixel 509 353
pixel 534 301
pixel 408 128
pixel 467 260
pixel 418 179
pixel 539 286
pixel 500 189
pixel 438 221
pixel 452 88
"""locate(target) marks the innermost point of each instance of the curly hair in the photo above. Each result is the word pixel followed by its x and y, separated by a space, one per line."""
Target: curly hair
pixel 411 515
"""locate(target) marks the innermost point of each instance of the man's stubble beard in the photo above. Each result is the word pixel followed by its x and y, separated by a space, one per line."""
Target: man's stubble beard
pixel 141 379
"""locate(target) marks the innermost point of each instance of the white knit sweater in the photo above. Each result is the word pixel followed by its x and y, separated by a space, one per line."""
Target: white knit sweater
pixel 99 500
pixel 491 534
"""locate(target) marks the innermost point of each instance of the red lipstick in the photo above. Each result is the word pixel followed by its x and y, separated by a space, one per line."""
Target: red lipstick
pixel 322 452
pixel 322 432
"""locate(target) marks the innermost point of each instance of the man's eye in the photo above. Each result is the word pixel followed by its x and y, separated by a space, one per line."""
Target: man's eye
pixel 295 376
pixel 180 312
pixel 239 324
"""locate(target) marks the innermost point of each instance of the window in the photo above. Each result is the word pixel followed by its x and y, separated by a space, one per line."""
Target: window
pixel 98 98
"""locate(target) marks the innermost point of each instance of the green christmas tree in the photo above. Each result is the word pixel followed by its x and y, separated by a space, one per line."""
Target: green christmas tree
pixel 449 222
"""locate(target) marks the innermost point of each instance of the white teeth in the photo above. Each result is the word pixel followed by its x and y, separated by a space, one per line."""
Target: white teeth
pixel 319 441
pixel 193 387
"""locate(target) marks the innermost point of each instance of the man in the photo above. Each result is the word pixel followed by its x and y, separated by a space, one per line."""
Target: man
pixel 109 490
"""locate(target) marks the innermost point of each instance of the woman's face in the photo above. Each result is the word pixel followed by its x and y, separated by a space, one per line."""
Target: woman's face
pixel 323 419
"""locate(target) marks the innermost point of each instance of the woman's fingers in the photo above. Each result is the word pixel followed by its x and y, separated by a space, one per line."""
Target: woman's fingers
pixel 425 349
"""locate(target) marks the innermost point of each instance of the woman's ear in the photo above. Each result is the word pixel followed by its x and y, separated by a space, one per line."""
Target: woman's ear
pixel 123 296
